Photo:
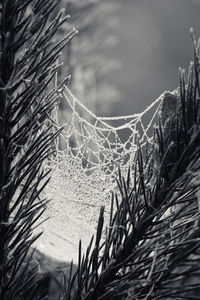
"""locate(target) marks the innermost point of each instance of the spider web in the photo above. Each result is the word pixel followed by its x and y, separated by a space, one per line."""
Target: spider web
pixel 84 172
pixel 95 145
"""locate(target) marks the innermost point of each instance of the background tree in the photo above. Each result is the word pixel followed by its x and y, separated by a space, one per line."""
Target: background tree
pixel 86 55
pixel 86 58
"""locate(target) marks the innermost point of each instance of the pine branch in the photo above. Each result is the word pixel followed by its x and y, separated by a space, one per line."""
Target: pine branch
pixel 28 59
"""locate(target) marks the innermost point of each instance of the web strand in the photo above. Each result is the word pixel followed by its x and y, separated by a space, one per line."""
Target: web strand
pixel 84 172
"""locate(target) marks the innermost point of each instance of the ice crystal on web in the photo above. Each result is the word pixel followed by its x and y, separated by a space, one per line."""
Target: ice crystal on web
pixel 84 172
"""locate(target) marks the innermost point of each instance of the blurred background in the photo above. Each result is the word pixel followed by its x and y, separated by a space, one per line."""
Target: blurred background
pixel 154 41
pixel 127 52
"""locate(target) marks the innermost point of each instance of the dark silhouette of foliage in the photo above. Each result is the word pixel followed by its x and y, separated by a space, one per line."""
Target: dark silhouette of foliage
pixel 151 249
pixel 28 63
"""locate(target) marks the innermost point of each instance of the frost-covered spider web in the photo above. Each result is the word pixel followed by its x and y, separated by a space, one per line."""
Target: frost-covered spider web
pixel 96 145
pixel 85 170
